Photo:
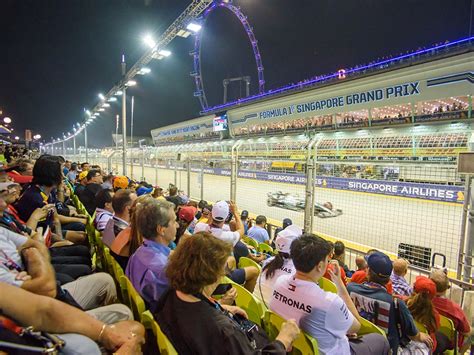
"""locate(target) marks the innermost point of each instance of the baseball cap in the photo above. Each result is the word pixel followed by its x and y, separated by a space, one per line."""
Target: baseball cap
pixel 187 213
pixel 220 211
pixel 121 182
pixel 5 186
pixel 287 222
pixel 424 284
pixel 144 190
pixel 244 214
pixel 83 175
pixel 285 238
pixel 380 263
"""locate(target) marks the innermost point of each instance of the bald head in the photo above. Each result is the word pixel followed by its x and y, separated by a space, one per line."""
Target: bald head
pixel 361 263
pixel 440 279
pixel 400 267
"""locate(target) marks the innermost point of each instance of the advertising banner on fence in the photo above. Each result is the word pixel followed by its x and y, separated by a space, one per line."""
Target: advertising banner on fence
pixel 432 192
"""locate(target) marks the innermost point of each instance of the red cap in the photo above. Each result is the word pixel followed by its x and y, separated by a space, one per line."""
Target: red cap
pixel 187 213
pixel 424 284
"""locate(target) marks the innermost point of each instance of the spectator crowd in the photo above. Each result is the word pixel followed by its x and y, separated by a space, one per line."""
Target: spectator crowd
pixel 192 262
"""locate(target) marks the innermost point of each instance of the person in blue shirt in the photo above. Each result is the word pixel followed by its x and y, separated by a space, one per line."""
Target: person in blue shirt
pixel 156 222
pixel 244 217
pixel 258 232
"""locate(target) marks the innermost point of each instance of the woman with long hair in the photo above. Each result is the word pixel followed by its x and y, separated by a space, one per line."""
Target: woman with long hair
pixel 280 264
pixel 423 311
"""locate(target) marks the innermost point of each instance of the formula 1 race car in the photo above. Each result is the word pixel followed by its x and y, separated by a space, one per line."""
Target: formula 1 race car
pixel 297 203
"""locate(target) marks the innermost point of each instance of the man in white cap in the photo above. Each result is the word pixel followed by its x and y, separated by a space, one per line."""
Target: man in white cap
pixel 278 265
pixel 246 276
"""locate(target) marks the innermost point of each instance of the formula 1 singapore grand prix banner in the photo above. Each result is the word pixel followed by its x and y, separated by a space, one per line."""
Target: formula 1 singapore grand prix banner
pixel 431 192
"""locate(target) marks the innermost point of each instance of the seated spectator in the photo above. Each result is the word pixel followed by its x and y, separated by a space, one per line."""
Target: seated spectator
pixel 66 167
pixel 72 174
pixel 332 267
pixel 47 177
pixel 79 330
pixel 192 320
pixel 258 231
pixel 81 183
pixel 185 218
pixel 22 171
pixel 87 197
pixel 400 286
pixel 129 240
pixel 94 293
pixel 156 223
pixel 217 227
pixel 104 210
pixel 421 308
pixel 324 315
pixel 108 182
pixel 360 276
pixel 158 193
pixel 377 305
pixel 121 203
pixel 453 311
pixel 339 255
pixel 120 182
pixel 85 166
pixel 244 216
pixel 278 265
pixel 285 223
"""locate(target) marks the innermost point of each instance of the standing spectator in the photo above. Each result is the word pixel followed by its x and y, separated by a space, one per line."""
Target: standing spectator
pixel 400 286
pixel 72 174
pixel 104 210
pixel 120 182
pixel 258 231
pixel 278 265
pixel 377 305
pixel 453 311
pixel 66 167
pixel 121 204
pixel 192 320
pixel 339 255
pixel 324 315
pixel 87 197
pixel 156 222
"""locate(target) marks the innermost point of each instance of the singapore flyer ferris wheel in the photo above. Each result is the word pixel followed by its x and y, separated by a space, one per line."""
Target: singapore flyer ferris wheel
pixel 196 53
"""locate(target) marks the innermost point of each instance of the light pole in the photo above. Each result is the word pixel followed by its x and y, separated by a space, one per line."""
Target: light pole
pixel 131 137
pixel 64 146
pixel 85 142
pixel 124 119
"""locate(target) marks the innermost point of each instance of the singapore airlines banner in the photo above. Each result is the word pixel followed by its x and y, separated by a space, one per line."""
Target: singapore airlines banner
pixel 431 192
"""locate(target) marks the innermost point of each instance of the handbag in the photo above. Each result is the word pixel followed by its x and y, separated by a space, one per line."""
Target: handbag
pixel 15 339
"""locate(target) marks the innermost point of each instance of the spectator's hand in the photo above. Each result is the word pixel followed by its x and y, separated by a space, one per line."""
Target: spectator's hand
pixel 229 297
pixel 125 333
pixel 235 310
pixel 233 208
pixel 23 276
pixel 425 338
pixel 41 213
pixel 288 333
pixel 335 273
pixel 131 347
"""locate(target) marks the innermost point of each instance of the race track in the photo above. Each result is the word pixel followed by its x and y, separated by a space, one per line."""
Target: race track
pixel 374 221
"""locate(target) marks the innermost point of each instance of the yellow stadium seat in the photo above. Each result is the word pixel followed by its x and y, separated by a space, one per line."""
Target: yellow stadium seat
pixel 164 345
pixel 252 242
pixel 265 248
pixel 447 328
pixel 248 303
pixel 367 327
pixel 303 345
pixel 135 301
pixel 421 327
pixel 327 285
pixel 244 262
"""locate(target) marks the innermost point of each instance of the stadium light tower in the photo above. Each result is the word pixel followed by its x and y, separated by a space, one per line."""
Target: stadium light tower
pixel 149 41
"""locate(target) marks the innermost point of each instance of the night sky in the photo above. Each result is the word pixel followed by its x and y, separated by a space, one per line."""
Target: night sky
pixel 57 55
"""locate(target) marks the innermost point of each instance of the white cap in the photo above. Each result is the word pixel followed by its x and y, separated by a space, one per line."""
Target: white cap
pixel 286 236
pixel 4 186
pixel 220 211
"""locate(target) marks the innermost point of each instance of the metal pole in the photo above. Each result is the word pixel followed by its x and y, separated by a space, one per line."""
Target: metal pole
pixel 74 142
pixel 124 120
pixel 189 178
pixel 117 122
pixel 85 142
pixel 143 163
pixel 467 234
pixel 202 181
pixel 156 175
pixel 131 137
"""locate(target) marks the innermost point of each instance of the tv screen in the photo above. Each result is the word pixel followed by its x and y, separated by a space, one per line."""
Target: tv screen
pixel 220 123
